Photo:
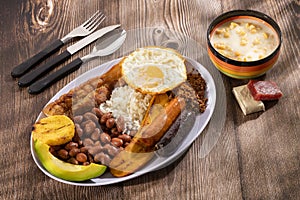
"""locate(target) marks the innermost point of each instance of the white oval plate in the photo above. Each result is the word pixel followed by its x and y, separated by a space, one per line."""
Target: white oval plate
pixel 158 162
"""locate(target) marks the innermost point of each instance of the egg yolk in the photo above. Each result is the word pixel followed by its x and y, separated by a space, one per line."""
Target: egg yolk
pixel 154 72
pixel 150 76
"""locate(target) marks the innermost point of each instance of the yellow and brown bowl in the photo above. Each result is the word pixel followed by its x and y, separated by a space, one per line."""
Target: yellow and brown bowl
pixel 243 69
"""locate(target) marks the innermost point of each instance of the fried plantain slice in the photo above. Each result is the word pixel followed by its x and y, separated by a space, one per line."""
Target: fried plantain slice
pixel 54 130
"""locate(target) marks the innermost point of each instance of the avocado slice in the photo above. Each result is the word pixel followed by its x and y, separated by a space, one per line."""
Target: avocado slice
pixel 64 170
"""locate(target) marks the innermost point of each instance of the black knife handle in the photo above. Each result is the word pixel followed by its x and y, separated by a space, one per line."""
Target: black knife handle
pixel 37 73
pixel 47 81
pixel 37 58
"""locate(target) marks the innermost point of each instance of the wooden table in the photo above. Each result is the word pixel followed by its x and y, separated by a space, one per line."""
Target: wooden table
pixel 254 157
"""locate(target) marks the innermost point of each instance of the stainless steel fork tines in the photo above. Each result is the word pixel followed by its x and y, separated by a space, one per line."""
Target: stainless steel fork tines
pixel 87 27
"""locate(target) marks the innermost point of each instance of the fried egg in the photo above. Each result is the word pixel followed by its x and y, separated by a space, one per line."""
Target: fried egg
pixel 154 70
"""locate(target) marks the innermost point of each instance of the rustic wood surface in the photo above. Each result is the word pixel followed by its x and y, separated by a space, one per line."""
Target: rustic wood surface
pixel 256 156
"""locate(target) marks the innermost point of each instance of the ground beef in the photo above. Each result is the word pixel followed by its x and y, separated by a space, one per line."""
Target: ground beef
pixel 193 91
pixel 196 81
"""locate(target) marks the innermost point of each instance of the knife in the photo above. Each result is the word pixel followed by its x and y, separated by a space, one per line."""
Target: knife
pixel 32 76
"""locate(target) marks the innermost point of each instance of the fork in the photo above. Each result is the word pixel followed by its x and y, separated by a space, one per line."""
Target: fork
pixel 84 29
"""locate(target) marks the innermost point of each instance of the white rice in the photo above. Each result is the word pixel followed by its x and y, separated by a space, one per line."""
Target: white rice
pixel 129 104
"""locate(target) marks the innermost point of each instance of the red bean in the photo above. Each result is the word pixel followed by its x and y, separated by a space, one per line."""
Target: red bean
pixel 78 130
pixel 105 138
pixel 111 150
pixel 81 157
pixel 89 127
pixel 73 152
pixel 91 116
pixel 97 143
pixel 88 142
pixel 110 123
pixel 102 158
pixel 125 137
pixel 105 117
pixel 71 145
pixel 96 134
pixel 117 142
pixel 95 149
pixel 85 122
pixel 63 154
